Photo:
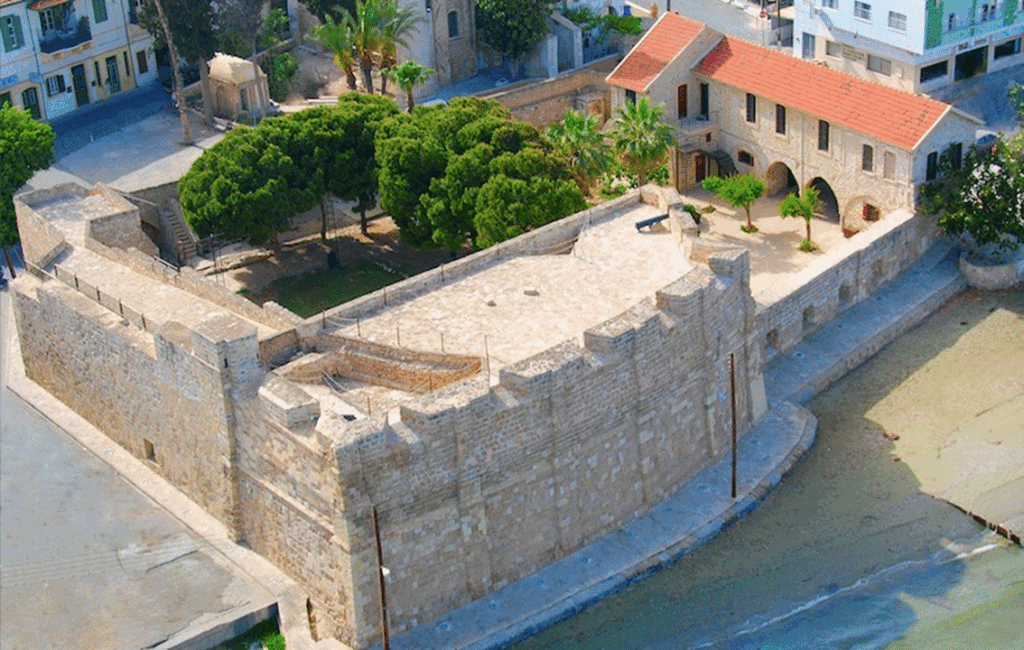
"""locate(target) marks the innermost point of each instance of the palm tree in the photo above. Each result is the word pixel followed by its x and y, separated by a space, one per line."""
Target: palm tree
pixel 337 37
pixel 641 139
pixel 407 75
pixel 579 140
pixel 367 26
pixel 399 22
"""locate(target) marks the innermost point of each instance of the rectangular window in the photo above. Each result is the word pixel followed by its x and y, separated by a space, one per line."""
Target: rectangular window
pixel 950 22
pixel 142 63
pixel 830 4
pixel 745 158
pixel 751 108
pixel 833 49
pixel 127 67
pixel 956 155
pixel 682 101
pixel 99 10
pixel 631 96
pixel 807 49
pixel 862 10
pixel 889 160
pixel 932 166
pixel 898 21
pixel 867 158
pixel 96 69
pixel 13 37
pixel 780 119
pixel 822 135
pixel 705 101
pixel 453 24
pixel 879 65
pixel 1009 48
pixel 54 85
pixel 934 71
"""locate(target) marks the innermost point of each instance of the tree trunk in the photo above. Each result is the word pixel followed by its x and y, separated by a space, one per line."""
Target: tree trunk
pixel 750 224
pixel 408 98
pixel 350 77
pixel 808 229
pixel 204 81
pixel 260 99
pixel 179 87
pixel 323 218
pixel 366 67
pixel 363 225
pixel 10 264
pixel 383 84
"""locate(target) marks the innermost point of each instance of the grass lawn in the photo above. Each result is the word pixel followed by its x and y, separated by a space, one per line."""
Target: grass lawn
pixel 309 294
pixel 265 632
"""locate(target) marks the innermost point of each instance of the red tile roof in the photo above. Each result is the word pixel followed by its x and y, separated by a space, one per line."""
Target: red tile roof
pixel 655 50
pixel 890 115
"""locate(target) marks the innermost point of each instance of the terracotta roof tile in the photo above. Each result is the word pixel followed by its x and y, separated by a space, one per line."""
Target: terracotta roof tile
pixel 655 50
pixel 890 115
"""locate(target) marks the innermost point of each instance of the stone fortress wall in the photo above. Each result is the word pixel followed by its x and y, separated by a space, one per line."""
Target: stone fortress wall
pixel 477 484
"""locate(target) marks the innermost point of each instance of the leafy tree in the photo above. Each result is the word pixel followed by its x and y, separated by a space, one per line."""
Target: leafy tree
pixel 247 186
pixel 279 68
pixel 801 206
pixel 399 24
pixel 243 20
pixel 407 75
pixel 737 191
pixel 342 141
pixel 578 139
pixel 367 26
pixel 447 172
pixel 337 37
pixel 191 26
pixel 641 139
pixel 26 146
pixel 513 27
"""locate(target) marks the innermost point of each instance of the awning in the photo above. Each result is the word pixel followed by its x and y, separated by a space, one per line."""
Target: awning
pixel 39 5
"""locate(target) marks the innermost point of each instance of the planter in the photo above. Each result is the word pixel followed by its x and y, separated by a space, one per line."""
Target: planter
pixel 989 276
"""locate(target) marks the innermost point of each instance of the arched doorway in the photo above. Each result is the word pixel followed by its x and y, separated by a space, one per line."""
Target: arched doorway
pixel 828 206
pixel 779 180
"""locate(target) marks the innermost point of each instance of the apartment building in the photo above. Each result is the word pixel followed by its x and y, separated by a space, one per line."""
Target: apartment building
pixel 740 107
pixel 57 56
pixel 912 45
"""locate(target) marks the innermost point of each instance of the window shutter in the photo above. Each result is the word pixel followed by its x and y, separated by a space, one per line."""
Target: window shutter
pixel 15 40
pixel 99 10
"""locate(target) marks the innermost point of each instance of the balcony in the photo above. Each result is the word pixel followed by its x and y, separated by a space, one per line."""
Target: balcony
pixel 55 40
pixel 697 132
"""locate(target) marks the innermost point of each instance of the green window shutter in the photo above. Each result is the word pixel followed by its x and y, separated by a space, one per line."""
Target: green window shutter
pixel 99 10
pixel 933 26
pixel 1009 12
pixel 13 41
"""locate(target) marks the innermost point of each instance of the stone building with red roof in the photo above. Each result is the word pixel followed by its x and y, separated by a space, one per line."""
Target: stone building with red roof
pixel 738 107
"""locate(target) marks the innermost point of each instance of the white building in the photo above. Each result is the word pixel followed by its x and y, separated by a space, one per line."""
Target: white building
pixel 741 107
pixel 59 55
pixel 913 45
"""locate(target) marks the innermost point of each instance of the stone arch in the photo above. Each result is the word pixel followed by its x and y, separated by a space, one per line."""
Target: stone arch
pixel 861 211
pixel 779 180
pixel 828 205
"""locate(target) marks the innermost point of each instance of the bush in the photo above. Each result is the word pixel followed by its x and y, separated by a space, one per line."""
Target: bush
pixel 807 246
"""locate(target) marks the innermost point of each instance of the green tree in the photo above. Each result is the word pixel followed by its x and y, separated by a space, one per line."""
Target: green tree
pixel 342 138
pixel 26 146
pixel 442 167
pixel 513 27
pixel 324 8
pixel 642 140
pixel 337 37
pixel 804 207
pixel 407 75
pixel 578 139
pixel 194 36
pixel 738 191
pixel 247 186
pixel 367 26
pixel 399 23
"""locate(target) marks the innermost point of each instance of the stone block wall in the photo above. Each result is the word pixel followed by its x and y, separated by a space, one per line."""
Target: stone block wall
pixel 544 103
pixel 800 304
pixel 479 486
pixel 148 392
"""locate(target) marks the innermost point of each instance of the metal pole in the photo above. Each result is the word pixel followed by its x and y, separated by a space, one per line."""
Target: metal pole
pixel 732 382
pixel 386 639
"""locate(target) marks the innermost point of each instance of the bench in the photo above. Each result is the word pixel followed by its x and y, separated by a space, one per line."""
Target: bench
pixel 647 223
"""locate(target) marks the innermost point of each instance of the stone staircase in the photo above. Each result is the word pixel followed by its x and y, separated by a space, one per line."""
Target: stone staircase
pixel 172 220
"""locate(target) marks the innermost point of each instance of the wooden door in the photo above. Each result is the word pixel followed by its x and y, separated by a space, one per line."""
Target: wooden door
pixel 701 164
pixel 80 84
